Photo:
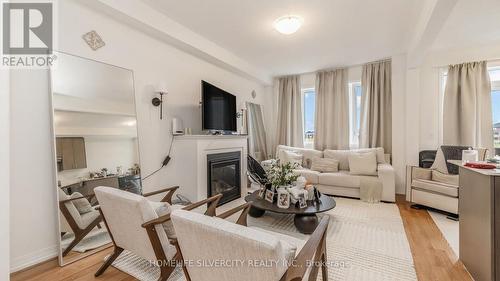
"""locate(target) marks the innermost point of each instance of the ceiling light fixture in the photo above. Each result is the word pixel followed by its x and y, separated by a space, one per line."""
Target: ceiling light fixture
pixel 288 24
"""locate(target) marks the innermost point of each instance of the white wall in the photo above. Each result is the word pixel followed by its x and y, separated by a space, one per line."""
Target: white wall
pixel 398 119
pixel 31 143
pixel 33 233
pixel 4 173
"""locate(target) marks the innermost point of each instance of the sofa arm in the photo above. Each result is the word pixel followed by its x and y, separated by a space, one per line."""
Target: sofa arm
pixel 421 173
pixel 387 176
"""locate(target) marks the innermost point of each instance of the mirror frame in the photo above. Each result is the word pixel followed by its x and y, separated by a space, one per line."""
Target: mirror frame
pixel 54 155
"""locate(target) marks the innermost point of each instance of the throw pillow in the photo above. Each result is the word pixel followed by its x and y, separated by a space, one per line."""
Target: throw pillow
pixel 363 163
pixel 82 205
pixel 291 157
pixel 325 165
pixel 162 209
pixel 440 163
pixel 339 155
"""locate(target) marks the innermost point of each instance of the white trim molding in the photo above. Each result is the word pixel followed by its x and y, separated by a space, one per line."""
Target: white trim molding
pixel 34 258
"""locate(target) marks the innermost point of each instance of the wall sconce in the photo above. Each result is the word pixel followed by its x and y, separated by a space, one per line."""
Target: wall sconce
pixel 162 90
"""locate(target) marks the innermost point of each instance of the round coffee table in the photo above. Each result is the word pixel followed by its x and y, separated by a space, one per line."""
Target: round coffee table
pixel 305 219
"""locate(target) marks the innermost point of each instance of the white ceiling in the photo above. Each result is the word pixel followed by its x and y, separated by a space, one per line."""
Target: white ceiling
pixel 471 23
pixel 335 32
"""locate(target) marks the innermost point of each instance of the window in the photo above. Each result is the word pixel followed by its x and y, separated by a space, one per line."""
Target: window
pixel 309 107
pixel 495 102
pixel 354 113
pixel 309 98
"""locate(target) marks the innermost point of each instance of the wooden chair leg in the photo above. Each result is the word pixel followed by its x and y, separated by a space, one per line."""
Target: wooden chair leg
pixel 166 271
pixel 313 274
pixel 109 261
pixel 324 269
pixel 319 257
pixel 80 234
pixel 73 243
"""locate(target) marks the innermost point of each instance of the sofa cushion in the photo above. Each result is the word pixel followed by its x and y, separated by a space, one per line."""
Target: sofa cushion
pixel 437 187
pixel 342 179
pixel 82 204
pixel 363 163
pixel 445 178
pixel 290 157
pixel 421 173
pixel 339 155
pixel 325 165
pixel 311 176
pixel 342 155
pixel 308 154
pixel 87 218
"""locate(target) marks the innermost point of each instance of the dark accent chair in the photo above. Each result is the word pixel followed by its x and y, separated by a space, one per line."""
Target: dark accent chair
pixel 426 158
pixel 256 172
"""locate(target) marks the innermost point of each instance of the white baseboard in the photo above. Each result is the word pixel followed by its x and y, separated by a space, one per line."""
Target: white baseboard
pixel 22 262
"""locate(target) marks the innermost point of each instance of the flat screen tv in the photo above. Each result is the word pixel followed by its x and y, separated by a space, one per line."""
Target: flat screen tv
pixel 218 109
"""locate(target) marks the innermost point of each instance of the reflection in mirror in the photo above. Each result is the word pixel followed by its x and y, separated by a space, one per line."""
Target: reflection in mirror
pixel 95 130
pixel 257 146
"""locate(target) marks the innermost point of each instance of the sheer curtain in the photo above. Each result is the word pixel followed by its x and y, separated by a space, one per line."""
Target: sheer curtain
pixel 289 125
pixel 332 110
pixel 257 145
pixel 467 113
pixel 376 106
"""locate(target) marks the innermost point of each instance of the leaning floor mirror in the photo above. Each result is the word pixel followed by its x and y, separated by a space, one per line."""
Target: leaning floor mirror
pixel 95 144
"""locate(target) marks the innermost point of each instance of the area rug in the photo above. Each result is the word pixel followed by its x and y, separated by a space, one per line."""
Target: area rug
pixel 449 229
pixel 95 239
pixel 365 242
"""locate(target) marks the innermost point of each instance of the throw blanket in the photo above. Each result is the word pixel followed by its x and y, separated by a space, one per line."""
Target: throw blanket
pixel 453 153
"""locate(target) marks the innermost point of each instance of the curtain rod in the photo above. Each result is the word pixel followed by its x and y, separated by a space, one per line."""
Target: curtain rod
pixel 334 68
pixel 488 61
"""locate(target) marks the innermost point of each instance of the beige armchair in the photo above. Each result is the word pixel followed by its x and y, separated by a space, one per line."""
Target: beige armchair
pixel 210 240
pixel 434 189
pixel 134 225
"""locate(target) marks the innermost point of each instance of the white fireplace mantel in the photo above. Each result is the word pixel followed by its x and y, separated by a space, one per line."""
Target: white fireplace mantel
pixel 188 167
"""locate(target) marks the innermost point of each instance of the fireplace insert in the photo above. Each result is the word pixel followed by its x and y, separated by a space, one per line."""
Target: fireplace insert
pixel 224 175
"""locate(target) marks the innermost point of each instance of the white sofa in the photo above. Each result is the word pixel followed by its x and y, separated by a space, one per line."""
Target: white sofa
pixel 342 183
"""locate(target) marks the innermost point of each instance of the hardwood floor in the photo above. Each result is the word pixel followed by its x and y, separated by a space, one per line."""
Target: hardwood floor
pixel 433 257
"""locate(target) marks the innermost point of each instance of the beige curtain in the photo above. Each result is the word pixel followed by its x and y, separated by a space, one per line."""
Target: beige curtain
pixel 376 106
pixel 331 121
pixel 257 145
pixel 289 126
pixel 467 113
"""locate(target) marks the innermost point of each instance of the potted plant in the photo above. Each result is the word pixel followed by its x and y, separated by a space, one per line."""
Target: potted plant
pixel 282 175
